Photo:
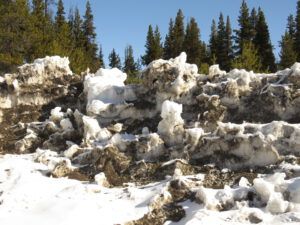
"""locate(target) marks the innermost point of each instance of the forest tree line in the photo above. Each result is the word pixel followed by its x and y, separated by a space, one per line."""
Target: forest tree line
pixel 30 30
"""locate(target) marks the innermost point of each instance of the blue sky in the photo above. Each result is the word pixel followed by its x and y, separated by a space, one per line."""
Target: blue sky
pixel 123 22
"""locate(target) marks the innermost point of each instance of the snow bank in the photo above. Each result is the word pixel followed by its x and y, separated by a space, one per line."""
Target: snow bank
pixel 37 72
pixel 104 88
pixel 27 196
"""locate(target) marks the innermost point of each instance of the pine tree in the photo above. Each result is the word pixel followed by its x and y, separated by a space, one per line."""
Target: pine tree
pixel 178 32
pixel 158 48
pixel 221 54
pixel 14 36
pixel 287 54
pixel 291 25
pixel 62 43
pixel 42 30
pixel 248 59
pixel 168 45
pixel 78 60
pixel 213 43
pixel 228 45
pixel 192 44
pixel 263 44
pixel 297 32
pixel 90 45
pixel 76 29
pixel 244 33
pixel 253 21
pixel 101 58
pixel 175 37
pixel 114 60
pixel 130 66
pixel 60 19
pixel 153 46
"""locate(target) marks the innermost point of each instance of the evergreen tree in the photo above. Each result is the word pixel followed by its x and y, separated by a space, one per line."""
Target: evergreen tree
pixel 192 44
pixel 62 43
pixel 178 32
pixel 76 29
pixel 213 42
pixel 287 54
pixel 253 21
pixel 297 32
pixel 153 46
pixel 90 45
pixel 228 45
pixel 78 60
pixel 263 44
pixel 221 54
pixel 244 33
pixel 60 19
pixel 168 45
pixel 291 25
pixel 114 60
pixel 175 37
pixel 130 66
pixel 158 48
pixel 101 58
pixel 42 32
pixel 248 59
pixel 14 34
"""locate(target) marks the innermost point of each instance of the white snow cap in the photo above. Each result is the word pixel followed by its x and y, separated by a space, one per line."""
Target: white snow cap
pixel 296 69
pixel 103 85
pixel 66 124
pixel 171 109
pixel 215 70
pixel 56 114
pixel 91 127
pixel 52 63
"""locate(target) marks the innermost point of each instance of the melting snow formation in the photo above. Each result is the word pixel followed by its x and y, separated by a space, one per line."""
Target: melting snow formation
pixel 180 147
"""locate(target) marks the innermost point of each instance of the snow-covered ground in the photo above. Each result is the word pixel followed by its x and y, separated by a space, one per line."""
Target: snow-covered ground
pixel 27 196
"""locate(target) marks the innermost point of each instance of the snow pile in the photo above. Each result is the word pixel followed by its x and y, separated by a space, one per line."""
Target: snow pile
pixel 92 130
pixel 104 88
pixel 170 78
pixel 214 70
pixel 171 125
pixel 37 72
pixel 27 196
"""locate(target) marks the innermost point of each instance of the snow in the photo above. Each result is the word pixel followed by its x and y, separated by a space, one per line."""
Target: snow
pixel 66 124
pixel 215 70
pixel 171 115
pixel 71 151
pixel 56 114
pixel 296 69
pixel 29 197
pixel 104 88
pixel 92 130
pixel 50 63
pixel 101 179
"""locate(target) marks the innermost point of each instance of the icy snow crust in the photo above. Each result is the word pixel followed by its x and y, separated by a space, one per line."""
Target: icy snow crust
pixel 181 147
